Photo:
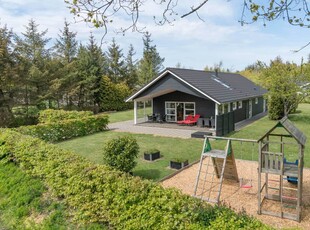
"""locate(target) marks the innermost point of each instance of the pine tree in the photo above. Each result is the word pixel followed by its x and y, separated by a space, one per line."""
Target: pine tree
pixel 33 57
pixel 151 63
pixel 66 49
pixel 116 64
pixel 66 45
pixel 131 77
pixel 7 75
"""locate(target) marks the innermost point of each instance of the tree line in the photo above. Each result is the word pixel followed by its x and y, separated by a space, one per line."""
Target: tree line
pixel 288 84
pixel 68 74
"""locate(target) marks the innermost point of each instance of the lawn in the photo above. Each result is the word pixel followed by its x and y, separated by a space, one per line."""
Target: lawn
pixel 128 114
pixel 91 146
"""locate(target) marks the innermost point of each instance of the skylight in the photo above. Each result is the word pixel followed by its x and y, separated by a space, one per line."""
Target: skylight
pixel 222 83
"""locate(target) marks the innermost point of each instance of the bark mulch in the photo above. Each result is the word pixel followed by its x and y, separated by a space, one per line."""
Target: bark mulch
pixel 246 198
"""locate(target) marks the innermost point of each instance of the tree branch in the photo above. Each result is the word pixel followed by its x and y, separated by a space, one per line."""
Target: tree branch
pixel 194 9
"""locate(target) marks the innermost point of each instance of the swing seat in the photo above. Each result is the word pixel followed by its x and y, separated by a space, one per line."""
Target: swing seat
pixel 246 185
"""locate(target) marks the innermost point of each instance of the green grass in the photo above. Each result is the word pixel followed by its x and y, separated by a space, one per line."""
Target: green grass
pixel 91 146
pixel 127 115
pixel 24 201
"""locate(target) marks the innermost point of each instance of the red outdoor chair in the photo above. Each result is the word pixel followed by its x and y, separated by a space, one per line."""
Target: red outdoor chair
pixel 192 121
pixel 187 118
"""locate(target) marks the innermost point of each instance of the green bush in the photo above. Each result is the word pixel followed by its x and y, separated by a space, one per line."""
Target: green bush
pixel 68 129
pixel 99 195
pixel 112 96
pixel 121 153
pixel 51 115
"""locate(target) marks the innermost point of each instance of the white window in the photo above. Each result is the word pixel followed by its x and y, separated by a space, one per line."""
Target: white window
pixel 256 100
pixel 234 105
pixel 239 104
pixel 178 110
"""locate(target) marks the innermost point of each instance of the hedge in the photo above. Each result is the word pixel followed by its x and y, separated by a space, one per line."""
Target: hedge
pixel 68 129
pixel 51 115
pixel 98 194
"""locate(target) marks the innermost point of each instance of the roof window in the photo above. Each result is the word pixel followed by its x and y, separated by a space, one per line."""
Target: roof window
pixel 222 83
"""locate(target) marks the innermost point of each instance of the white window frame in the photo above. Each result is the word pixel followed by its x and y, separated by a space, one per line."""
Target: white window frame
pixel 234 105
pixel 175 109
pixel 239 104
pixel 256 100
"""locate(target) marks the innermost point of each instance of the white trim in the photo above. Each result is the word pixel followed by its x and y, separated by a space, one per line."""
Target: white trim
pixel 239 104
pixel 264 104
pixel 256 100
pixel 228 107
pixel 250 106
pixel 234 107
pixel 216 114
pixel 144 115
pixel 163 74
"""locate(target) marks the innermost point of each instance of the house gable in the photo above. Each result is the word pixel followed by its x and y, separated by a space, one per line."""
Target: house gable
pixel 167 84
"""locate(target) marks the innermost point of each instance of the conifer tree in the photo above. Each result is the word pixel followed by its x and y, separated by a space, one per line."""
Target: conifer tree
pixel 151 63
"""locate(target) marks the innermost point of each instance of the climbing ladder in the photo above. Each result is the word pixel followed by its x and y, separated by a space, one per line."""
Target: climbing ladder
pixel 215 165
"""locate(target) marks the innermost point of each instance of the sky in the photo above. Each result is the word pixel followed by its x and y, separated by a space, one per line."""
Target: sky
pixel 189 41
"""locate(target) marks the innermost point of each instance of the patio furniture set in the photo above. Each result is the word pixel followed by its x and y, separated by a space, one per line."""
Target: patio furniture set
pixel 189 120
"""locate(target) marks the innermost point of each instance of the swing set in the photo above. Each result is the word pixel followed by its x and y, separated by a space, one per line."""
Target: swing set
pixel 217 165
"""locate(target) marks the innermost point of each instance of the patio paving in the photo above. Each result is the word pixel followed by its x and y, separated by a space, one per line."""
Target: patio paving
pixel 169 129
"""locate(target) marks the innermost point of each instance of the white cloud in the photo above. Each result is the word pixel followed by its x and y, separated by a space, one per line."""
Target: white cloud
pixel 190 41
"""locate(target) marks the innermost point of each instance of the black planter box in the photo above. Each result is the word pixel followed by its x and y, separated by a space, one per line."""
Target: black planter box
pixel 152 156
pixel 178 165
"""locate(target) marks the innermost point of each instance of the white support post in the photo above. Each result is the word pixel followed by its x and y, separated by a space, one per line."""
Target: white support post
pixel 135 112
pixel 216 113
pixel 144 111
pixel 229 109
pixel 152 105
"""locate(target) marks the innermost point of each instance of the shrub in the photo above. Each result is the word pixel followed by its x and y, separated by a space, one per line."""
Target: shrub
pixel 51 115
pixel 112 96
pixel 97 194
pixel 121 153
pixel 68 129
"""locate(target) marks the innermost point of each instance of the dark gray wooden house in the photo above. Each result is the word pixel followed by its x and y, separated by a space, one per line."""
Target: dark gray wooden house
pixel 177 93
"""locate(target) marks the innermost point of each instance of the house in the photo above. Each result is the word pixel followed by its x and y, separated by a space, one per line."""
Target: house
pixel 177 93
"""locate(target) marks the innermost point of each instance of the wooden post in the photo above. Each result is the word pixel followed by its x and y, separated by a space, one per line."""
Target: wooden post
pixel 300 181
pixel 259 211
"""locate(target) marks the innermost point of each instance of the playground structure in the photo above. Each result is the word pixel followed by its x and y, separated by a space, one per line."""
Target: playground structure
pixel 280 191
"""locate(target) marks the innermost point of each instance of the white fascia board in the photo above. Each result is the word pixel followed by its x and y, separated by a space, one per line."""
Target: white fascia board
pixel 146 86
pixel 193 87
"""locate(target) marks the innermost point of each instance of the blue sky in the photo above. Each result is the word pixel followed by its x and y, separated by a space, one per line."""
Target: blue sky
pixel 189 41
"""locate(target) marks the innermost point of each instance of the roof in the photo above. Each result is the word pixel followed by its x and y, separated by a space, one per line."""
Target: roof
pixel 291 129
pixel 220 87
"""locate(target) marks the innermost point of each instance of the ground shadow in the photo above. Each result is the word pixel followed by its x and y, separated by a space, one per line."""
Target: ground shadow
pixel 151 174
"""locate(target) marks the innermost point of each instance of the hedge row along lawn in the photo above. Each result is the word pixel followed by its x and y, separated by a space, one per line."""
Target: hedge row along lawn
pixel 52 116
pixel 67 129
pixel 99 195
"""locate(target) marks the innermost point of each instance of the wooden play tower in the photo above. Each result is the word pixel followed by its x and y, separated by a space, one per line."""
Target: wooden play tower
pixel 280 171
